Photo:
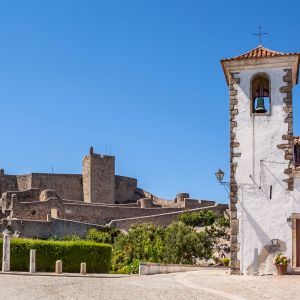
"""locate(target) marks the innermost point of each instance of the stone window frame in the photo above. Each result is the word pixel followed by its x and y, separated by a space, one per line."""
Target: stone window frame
pixel 254 76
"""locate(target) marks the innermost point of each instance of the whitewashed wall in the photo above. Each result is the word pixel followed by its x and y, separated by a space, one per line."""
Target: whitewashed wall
pixel 261 218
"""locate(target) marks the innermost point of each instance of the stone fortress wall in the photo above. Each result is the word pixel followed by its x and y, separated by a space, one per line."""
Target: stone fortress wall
pixel 96 198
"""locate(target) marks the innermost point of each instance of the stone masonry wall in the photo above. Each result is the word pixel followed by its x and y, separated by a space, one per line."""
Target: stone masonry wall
pixel 89 213
pixel 288 138
pixel 8 183
pixel 67 186
pixel 234 222
pixel 163 219
pixel 125 189
pixel 99 178
pixel 24 182
pixel 44 229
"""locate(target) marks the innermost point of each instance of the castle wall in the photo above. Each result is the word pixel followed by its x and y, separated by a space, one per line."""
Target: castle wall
pixel 24 182
pixel 55 227
pixel 125 189
pixel 162 217
pixel 67 186
pixel 97 214
pixel 37 210
pixel 8 183
pixel 99 178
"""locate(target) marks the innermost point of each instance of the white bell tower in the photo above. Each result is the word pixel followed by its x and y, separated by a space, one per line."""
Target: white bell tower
pixel 261 157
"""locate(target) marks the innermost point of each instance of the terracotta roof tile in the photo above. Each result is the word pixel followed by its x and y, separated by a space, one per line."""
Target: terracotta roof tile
pixel 259 52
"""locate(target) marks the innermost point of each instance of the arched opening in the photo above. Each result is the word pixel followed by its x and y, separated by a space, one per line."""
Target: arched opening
pixel 260 94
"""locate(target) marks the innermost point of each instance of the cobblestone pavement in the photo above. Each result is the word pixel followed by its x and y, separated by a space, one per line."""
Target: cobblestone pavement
pixel 189 285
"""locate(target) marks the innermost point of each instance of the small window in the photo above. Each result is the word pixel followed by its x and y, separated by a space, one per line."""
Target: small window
pixel 297 155
pixel 261 103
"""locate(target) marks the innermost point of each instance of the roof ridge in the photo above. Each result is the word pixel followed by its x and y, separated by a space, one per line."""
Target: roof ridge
pixel 260 52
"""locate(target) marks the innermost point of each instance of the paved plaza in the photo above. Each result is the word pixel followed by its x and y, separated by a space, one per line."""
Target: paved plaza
pixel 188 285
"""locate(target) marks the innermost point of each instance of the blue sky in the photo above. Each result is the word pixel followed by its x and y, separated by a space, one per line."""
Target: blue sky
pixel 141 76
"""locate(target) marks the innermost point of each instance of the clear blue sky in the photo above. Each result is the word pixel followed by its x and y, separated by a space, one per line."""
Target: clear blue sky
pixel 143 76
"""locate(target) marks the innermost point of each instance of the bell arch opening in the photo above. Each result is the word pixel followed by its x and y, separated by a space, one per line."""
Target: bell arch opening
pixel 260 94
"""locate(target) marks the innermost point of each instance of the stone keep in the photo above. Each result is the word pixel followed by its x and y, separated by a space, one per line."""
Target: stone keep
pixel 98 176
pixel 262 194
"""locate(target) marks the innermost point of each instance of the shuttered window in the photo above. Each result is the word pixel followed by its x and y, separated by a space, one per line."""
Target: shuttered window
pixel 297 155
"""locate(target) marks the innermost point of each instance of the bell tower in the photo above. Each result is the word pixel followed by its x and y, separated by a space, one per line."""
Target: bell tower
pixel 261 156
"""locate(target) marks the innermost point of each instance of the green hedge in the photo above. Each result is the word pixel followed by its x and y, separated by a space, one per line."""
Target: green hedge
pixel 96 256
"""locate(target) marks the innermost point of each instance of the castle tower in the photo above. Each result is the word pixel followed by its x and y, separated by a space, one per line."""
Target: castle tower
pixel 98 175
pixel 262 194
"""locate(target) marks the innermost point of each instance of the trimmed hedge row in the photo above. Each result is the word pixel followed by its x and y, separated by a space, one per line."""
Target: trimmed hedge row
pixel 96 256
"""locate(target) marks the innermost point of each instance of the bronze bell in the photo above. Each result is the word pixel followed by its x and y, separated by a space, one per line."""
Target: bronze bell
pixel 260 105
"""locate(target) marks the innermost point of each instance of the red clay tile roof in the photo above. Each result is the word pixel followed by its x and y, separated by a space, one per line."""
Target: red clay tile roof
pixel 260 52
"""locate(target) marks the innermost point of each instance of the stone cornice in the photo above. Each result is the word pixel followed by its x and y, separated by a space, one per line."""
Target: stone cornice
pixel 291 61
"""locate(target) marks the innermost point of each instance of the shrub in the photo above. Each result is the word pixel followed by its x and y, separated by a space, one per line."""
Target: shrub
pixel 223 222
pixel 225 261
pixel 65 238
pixel 96 256
pixel 142 243
pixel 200 218
pixel 106 236
pixel 183 244
pixel 178 243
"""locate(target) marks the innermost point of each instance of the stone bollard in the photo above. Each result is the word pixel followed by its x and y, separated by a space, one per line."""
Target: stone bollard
pixel 58 267
pixel 32 261
pixel 83 268
pixel 6 253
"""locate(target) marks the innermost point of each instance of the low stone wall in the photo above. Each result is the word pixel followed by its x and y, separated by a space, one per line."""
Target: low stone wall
pixel 193 203
pixel 45 229
pixel 81 212
pixel 154 268
pixel 104 214
pixel 162 219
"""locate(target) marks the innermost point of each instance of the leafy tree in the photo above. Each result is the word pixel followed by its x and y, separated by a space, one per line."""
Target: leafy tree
pixel 183 244
pixel 108 236
pixel 200 218
pixel 142 243
pixel 177 243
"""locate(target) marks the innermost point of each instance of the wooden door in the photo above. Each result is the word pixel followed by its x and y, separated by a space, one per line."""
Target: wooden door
pixel 297 242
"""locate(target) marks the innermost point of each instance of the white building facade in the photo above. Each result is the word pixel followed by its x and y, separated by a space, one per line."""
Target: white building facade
pixel 264 160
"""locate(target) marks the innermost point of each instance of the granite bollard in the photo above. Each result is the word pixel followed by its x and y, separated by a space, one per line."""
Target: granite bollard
pixel 58 267
pixel 83 268
pixel 6 253
pixel 32 264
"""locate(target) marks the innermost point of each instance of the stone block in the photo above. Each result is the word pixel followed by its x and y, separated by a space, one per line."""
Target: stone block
pixel 32 261
pixel 234 247
pixel 234 226
pixel 235 264
pixel 83 268
pixel 58 267
pixel 233 238
pixel 285 89
pixel 233 214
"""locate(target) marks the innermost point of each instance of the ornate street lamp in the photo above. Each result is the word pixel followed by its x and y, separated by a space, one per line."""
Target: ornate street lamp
pixel 220 175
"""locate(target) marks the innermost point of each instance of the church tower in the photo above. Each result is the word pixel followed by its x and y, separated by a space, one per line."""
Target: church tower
pixel 264 197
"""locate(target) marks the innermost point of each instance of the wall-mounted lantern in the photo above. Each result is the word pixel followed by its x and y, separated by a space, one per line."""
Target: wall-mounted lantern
pixel 220 175
pixel 275 243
